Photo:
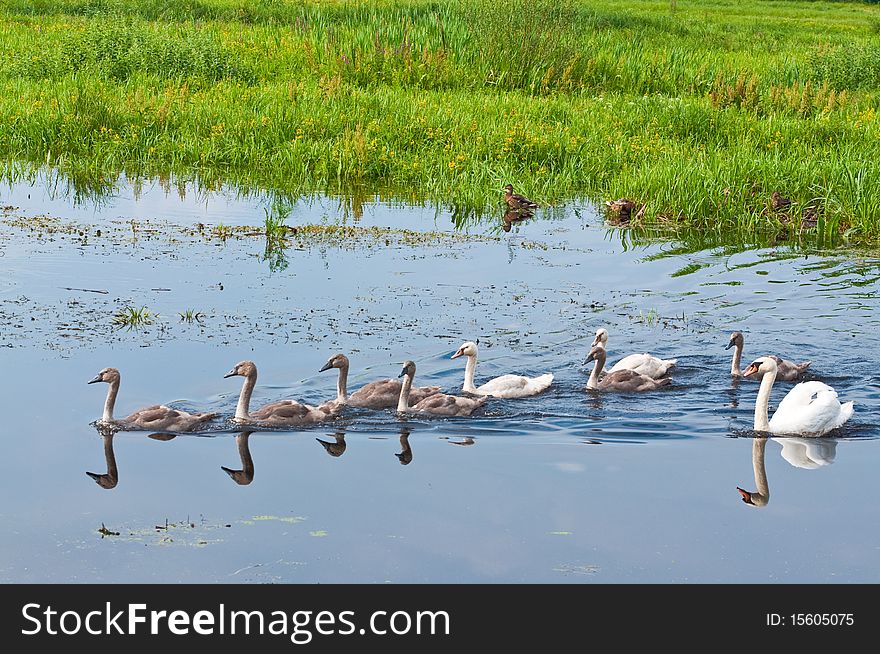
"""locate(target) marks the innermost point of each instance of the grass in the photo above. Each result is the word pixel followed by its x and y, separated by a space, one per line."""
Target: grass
pixel 191 316
pixel 699 109
pixel 134 317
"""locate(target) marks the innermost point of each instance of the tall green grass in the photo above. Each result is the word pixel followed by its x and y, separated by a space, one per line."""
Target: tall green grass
pixel 701 112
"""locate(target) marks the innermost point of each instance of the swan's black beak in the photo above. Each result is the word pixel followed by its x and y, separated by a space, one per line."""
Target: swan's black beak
pixel 402 373
pixel 231 373
pixel 95 379
pixel 731 344
pixel 327 366
pixel 590 357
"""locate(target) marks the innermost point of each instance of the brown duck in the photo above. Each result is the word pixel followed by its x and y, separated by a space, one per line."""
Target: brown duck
pixel 518 202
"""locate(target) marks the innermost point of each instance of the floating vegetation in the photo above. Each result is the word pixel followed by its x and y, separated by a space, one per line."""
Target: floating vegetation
pixel 134 317
pixel 191 316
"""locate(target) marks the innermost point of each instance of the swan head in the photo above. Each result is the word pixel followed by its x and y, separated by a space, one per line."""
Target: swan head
pixel 468 349
pixel 108 375
pixel 749 498
pixel 601 337
pixel 409 369
pixel 106 480
pixel 761 365
pixel 242 369
pixel 736 339
pixel 596 353
pixel 336 361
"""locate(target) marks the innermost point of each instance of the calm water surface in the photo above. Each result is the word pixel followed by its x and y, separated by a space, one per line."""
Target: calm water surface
pixel 567 487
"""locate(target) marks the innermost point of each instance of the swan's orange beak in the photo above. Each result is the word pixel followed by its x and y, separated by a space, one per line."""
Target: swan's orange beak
pixel 751 370
pixel 746 495
pixel 457 354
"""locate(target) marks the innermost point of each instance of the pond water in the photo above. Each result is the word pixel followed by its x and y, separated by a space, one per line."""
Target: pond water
pixel 569 486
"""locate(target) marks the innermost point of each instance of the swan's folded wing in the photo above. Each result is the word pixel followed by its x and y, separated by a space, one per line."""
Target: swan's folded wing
pixel 282 410
pixel 512 386
pixel 152 414
pixel 808 408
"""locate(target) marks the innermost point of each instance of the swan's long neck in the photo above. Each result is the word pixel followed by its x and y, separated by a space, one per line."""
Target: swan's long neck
pixel 110 457
pixel 470 369
pixel 762 420
pixel 593 381
pixel 244 399
pixel 342 385
pixel 735 362
pixel 244 453
pixel 110 402
pixel 763 491
pixel 403 400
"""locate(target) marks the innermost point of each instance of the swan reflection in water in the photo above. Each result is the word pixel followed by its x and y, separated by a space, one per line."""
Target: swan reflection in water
pixel 336 447
pixel 245 475
pixel 110 479
pixel 809 453
pixel 405 456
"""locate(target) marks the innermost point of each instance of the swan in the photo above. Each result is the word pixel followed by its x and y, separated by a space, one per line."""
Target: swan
pixel 644 364
pixel 809 409
pixel 438 404
pixel 157 417
pixel 788 370
pixel 506 386
pixel 244 476
pixel 110 478
pixel 380 394
pixel 284 413
pixel 335 447
pixel 619 380
pixel 809 453
pixel 760 497
pixel 405 456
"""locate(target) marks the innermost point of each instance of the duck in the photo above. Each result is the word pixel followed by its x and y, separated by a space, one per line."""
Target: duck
pixel 379 394
pixel 644 364
pixel 787 370
pixel 811 408
pixel 505 386
pixel 283 413
pixel 619 380
pixel 157 417
pixel 244 476
pixel 518 202
pixel 438 404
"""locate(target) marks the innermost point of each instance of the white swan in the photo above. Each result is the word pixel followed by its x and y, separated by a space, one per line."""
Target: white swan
pixel 619 380
pixel 379 394
pixel 788 370
pixel 284 413
pixel 157 417
pixel 808 453
pixel 809 409
pixel 507 386
pixel 437 404
pixel 644 364
pixel 760 497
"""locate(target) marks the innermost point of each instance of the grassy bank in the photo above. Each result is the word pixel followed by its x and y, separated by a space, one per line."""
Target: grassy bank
pixel 700 111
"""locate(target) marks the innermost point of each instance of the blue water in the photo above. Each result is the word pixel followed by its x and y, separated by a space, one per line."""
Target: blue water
pixel 569 487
